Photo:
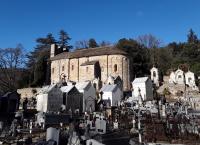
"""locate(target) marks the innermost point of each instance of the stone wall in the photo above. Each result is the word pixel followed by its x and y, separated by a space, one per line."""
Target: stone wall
pixel 115 65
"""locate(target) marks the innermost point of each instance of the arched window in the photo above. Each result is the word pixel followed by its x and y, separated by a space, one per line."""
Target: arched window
pixel 52 70
pixel 72 67
pixel 86 69
pixel 154 74
pixel 115 68
pixel 63 68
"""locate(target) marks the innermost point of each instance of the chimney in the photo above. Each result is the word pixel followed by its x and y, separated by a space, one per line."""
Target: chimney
pixel 64 49
pixel 53 50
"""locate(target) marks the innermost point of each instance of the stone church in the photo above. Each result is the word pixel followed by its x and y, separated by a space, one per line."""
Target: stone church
pixel 93 64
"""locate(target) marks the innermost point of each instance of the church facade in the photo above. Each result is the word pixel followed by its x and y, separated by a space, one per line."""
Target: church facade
pixel 93 64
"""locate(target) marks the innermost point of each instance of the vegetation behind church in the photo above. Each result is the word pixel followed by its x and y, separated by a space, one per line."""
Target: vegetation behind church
pixel 145 51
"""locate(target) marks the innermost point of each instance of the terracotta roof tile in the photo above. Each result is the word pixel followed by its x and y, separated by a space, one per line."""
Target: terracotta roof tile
pixel 89 52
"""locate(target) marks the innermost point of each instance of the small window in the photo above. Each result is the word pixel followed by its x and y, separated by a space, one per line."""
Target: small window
pixel 86 69
pixel 63 68
pixel 52 70
pixel 115 68
pixel 154 74
pixel 189 79
pixel 179 76
pixel 72 67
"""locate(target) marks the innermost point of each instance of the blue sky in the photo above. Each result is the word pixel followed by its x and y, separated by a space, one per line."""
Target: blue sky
pixel 22 21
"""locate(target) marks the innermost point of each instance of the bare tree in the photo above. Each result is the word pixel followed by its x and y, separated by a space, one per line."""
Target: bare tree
pixel 105 43
pixel 82 44
pixel 149 41
pixel 11 61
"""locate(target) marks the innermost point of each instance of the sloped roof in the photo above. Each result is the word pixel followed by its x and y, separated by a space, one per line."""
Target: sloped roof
pixel 154 68
pixel 46 89
pixel 108 88
pixel 179 70
pixel 140 80
pixel 189 72
pixel 89 52
pixel 8 94
pixel 110 77
pixel 82 85
pixel 70 83
pixel 66 89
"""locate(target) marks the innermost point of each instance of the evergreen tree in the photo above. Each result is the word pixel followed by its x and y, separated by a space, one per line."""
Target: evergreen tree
pixel 64 40
pixel 37 60
pixel 104 43
pixel 139 56
pixel 192 37
pixel 81 44
pixel 92 43
pixel 164 59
